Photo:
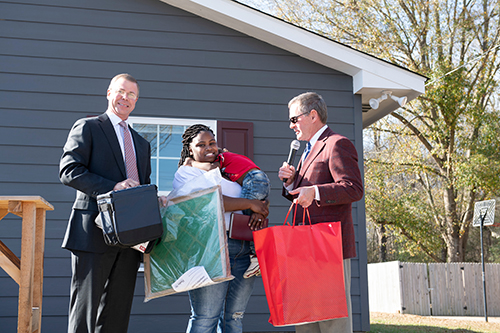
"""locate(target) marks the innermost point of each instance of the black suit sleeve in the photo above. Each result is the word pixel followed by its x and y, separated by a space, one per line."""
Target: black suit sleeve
pixel 78 167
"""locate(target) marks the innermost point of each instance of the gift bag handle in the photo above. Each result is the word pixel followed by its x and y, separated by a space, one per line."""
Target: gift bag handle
pixel 306 210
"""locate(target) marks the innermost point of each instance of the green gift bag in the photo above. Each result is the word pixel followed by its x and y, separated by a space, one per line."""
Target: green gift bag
pixel 193 250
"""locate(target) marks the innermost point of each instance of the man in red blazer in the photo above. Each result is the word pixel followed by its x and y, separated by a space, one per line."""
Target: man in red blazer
pixel 327 181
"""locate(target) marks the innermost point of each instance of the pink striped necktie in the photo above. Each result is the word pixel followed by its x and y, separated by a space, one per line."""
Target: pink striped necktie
pixel 130 161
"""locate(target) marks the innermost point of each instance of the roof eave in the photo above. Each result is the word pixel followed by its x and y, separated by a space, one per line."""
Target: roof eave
pixel 370 75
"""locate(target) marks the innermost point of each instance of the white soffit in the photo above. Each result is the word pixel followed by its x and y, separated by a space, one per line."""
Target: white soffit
pixel 370 74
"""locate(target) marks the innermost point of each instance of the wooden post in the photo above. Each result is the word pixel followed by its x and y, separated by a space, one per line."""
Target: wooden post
pixel 28 271
pixel 38 273
pixel 24 319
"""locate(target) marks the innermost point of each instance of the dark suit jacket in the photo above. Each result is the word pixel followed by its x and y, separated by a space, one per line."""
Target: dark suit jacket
pixel 332 165
pixel 92 163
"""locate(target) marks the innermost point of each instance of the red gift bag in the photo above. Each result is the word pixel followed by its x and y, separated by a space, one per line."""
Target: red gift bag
pixel 303 272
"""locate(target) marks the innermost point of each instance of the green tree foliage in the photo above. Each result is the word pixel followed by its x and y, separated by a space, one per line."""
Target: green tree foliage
pixel 438 155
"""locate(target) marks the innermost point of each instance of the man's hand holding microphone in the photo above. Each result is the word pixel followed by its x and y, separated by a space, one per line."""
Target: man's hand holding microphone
pixel 286 173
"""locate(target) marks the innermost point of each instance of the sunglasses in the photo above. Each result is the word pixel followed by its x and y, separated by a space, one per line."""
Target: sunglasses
pixel 294 119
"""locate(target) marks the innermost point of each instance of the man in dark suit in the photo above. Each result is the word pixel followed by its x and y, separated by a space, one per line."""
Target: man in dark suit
pixel 99 157
pixel 327 181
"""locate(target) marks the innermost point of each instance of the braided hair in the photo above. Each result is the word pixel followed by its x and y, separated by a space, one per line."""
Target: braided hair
pixel 187 137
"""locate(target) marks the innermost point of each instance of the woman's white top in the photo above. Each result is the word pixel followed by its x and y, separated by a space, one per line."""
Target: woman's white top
pixel 229 188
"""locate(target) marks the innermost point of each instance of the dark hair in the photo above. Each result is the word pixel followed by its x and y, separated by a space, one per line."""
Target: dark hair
pixel 187 137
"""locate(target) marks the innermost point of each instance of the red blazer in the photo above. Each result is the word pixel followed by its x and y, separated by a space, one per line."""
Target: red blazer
pixel 332 165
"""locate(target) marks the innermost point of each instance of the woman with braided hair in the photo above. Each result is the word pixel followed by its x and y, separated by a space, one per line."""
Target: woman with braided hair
pixel 219 307
pixel 187 137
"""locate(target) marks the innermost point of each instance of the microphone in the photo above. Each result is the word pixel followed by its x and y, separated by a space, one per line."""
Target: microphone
pixel 294 147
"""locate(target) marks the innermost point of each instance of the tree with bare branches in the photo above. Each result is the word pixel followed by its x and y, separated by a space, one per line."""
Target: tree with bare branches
pixel 438 155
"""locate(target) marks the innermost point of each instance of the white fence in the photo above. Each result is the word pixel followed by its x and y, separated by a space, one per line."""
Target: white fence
pixel 445 289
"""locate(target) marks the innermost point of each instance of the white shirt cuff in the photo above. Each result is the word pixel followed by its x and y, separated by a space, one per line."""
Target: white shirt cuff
pixel 289 187
pixel 316 196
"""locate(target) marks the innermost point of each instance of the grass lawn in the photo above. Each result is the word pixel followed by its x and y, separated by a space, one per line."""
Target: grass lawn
pixel 397 323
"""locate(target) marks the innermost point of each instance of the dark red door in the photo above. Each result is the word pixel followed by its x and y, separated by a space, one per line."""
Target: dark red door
pixel 236 136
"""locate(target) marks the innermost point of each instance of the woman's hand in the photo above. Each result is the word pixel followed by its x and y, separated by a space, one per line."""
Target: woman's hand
pixel 256 221
pixel 260 207
pixel 162 200
pixel 232 204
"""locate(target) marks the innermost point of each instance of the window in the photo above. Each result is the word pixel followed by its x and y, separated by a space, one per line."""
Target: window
pixel 165 137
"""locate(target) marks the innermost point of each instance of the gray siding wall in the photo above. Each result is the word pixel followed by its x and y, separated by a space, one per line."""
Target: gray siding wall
pixel 56 60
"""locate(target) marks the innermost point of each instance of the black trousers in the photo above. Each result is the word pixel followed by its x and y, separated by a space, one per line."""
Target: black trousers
pixel 102 290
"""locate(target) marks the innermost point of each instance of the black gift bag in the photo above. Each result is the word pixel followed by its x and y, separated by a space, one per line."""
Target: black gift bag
pixel 131 216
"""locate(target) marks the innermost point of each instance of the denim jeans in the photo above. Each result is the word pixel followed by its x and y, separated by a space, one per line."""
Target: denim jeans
pixel 255 185
pixel 220 307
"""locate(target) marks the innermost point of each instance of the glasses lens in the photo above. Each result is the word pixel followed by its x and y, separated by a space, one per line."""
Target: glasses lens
pixel 294 119
pixel 130 95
